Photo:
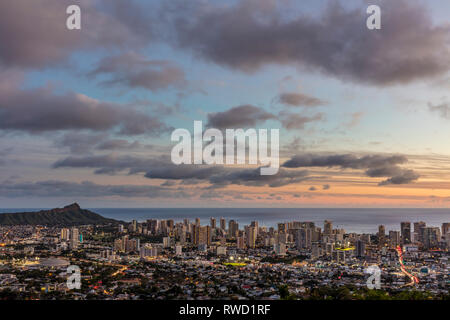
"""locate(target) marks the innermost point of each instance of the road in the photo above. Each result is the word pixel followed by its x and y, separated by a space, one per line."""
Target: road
pixel 413 279
pixel 121 267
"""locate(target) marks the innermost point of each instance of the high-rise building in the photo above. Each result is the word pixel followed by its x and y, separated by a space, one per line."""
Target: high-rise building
pixel 166 242
pixel 132 245
pixel 170 225
pixel 127 245
pixel 329 247
pixel 315 251
pixel 233 228
pixel 431 237
pixel 213 222
pixel 381 235
pixel 418 225
pixel 65 234
pixel 182 235
pixel 223 224
pixel 152 226
pixel 250 236
pixel 327 227
pixel 206 235
pixel 240 242
pixel 148 252
pixel 282 227
pixel 339 256
pixel 316 234
pixel 134 226
pixel 418 230
pixel 366 237
pixel 304 238
pixel 195 234
pixel 163 229
pixel 201 235
pixel 394 238
pixel 281 238
pixel 360 248
pixel 256 226
pixel 120 244
pixel 197 221
pixel 74 238
pixel 445 228
pixel 405 228
pixel 269 242
pixel 447 239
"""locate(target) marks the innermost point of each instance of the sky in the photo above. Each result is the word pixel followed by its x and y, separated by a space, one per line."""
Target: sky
pixel 87 115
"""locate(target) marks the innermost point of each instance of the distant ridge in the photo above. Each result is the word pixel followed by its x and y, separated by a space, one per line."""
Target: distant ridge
pixel 70 215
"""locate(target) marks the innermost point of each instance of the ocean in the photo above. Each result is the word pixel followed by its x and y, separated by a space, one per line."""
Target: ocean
pixel 352 220
pixel 361 220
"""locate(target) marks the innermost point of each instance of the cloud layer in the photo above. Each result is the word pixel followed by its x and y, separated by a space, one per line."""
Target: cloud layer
pixel 136 71
pixel 34 35
pixel 251 34
pixel 374 165
pixel 57 188
pixel 162 168
pixel 293 99
pixel 41 109
pixel 239 117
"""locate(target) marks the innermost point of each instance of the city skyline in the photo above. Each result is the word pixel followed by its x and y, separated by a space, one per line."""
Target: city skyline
pixel 168 259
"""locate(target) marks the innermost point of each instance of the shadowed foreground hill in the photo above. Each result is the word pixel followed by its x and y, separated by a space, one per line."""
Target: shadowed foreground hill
pixel 70 215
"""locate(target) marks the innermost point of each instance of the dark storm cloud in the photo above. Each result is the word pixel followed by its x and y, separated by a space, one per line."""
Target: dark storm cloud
pixel 397 174
pixel 111 164
pixel 239 117
pixel 403 177
pixel 55 188
pixel 253 177
pixel 39 110
pixel 293 99
pixel 162 168
pixel 136 71
pixel 250 34
pixel 34 33
pixel 384 171
pixel 182 172
pixel 118 144
pixel 374 165
pixel 295 121
pixel 344 161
